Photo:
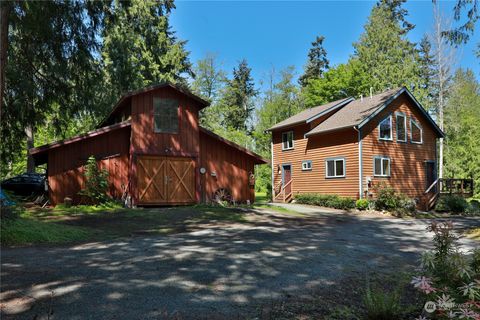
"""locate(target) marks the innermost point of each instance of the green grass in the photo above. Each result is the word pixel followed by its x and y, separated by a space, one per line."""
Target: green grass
pixel 473 234
pixel 261 197
pixel 278 209
pixel 30 231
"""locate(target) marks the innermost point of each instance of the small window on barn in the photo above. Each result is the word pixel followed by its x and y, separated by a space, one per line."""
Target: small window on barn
pixel 381 166
pixel 385 129
pixel 287 140
pixel 335 168
pixel 401 121
pixel 306 165
pixel 416 132
pixel 165 115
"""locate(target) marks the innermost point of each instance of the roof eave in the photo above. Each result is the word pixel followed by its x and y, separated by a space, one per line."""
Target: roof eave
pixel 309 134
pixel 332 108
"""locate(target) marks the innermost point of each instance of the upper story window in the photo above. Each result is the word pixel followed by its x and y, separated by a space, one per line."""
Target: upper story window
pixel 306 165
pixel 287 140
pixel 165 115
pixel 385 129
pixel 401 121
pixel 416 132
pixel 335 168
pixel 381 166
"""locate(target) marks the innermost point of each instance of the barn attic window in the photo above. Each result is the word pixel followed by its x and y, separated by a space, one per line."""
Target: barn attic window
pixel 165 115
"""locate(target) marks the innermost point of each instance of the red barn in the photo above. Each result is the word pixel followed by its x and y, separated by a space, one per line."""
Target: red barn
pixel 155 151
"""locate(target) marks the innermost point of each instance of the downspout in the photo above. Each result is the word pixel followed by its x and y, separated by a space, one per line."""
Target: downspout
pixel 271 151
pixel 360 163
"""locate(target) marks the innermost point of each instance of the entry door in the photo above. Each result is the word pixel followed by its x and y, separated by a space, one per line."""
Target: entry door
pixel 286 177
pixel 430 173
pixel 165 180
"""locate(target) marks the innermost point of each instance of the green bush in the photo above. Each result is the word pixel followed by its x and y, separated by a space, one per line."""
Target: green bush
pixel 362 204
pixel 96 182
pixel 390 200
pixel 452 203
pixel 381 305
pixel 325 200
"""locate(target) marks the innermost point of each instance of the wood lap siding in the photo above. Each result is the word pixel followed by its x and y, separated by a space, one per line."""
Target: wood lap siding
pixel 318 148
pixel 407 159
pixel 231 166
pixel 65 164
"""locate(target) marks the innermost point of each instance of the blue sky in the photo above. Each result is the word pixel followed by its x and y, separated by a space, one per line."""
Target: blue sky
pixel 279 33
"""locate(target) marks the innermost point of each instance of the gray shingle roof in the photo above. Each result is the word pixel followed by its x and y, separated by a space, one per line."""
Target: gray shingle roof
pixel 309 113
pixel 355 112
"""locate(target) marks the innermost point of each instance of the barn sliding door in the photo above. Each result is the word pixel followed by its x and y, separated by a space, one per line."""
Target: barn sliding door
pixel 165 180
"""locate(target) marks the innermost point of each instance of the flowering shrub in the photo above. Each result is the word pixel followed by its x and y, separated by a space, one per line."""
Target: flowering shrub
pixel 449 278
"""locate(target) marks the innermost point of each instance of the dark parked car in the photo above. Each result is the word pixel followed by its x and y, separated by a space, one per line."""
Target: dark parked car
pixel 25 184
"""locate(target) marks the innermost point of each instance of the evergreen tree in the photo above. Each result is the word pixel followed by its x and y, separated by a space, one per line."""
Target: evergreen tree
pixel 342 81
pixel 462 116
pixel 384 52
pixel 425 92
pixel 209 78
pixel 237 99
pixel 139 47
pixel 317 62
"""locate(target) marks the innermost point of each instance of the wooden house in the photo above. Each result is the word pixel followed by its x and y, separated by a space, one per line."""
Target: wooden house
pixel 348 147
pixel 155 152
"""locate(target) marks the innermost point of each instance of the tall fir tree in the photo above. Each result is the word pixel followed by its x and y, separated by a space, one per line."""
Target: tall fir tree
pixel 139 47
pixel 384 51
pixel 425 92
pixel 317 62
pixel 238 99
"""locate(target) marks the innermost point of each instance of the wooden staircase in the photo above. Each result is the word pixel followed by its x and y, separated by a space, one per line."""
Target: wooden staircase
pixel 280 194
pixel 460 187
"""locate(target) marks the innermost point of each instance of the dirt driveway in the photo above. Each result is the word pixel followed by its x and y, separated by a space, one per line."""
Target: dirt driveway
pixel 218 271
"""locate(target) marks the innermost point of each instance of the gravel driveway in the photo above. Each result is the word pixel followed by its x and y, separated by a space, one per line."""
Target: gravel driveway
pixel 220 271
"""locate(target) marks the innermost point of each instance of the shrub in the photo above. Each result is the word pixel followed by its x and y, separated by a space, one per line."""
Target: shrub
pixel 452 203
pixel 8 213
pixel 448 276
pixel 326 200
pixel 381 305
pixel 390 200
pixel 362 204
pixel 96 182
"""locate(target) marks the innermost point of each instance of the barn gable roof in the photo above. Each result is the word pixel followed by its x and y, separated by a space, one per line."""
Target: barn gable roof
pixel 40 153
pixel 358 113
pixel 258 159
pixel 203 103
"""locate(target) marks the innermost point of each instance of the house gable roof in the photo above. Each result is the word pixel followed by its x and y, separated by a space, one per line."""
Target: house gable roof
pixel 311 114
pixel 121 102
pixel 358 113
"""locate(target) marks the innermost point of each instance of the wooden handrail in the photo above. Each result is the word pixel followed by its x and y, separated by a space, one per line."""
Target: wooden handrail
pixel 432 185
pixel 282 190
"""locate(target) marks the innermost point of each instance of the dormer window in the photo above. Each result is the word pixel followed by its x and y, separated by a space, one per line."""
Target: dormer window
pixel 165 115
pixel 385 129
pixel 287 140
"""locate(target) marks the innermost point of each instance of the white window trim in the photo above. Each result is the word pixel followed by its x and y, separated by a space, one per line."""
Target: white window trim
pixel 391 129
pixel 382 158
pixel 411 132
pixel 335 167
pixel 307 162
pixel 401 114
pixel 293 141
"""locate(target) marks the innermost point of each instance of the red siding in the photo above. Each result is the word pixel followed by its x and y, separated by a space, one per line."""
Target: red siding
pixel 65 164
pixel 231 167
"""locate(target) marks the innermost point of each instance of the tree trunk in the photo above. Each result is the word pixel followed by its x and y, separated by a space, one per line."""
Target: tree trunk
pixel 4 13
pixel 30 144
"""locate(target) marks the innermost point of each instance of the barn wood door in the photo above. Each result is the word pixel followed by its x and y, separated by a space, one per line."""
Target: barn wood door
pixel 181 180
pixel 166 180
pixel 152 186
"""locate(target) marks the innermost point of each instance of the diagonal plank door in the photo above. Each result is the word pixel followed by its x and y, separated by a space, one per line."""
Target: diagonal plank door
pixel 164 180
pixel 152 186
pixel 181 180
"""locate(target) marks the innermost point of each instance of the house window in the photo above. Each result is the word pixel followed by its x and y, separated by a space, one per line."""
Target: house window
pixel 306 165
pixel 385 129
pixel 416 132
pixel 381 166
pixel 165 115
pixel 335 168
pixel 287 140
pixel 401 121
